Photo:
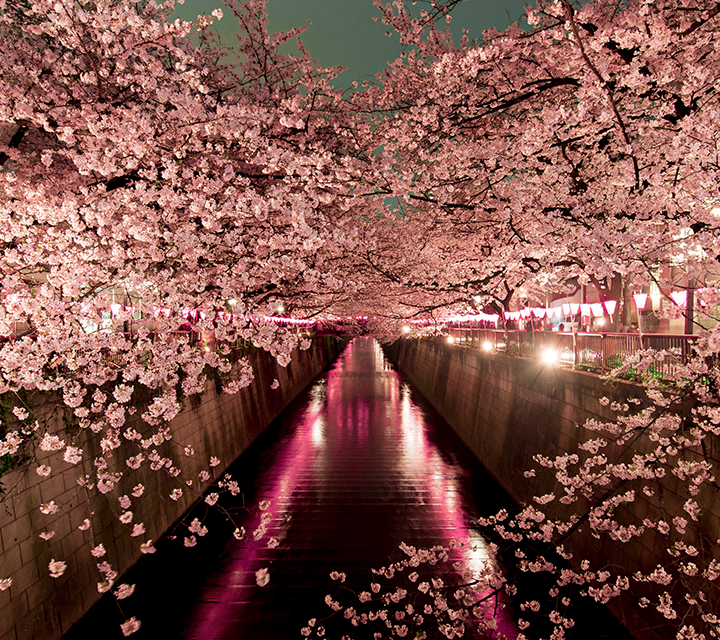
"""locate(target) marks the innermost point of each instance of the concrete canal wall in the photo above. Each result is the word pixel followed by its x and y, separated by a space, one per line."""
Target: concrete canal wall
pixel 215 424
pixel 508 409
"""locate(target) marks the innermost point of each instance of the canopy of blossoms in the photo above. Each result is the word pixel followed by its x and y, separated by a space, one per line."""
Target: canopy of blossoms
pixel 155 180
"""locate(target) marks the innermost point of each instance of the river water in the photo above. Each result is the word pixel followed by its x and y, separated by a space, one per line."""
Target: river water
pixel 357 465
pixel 360 465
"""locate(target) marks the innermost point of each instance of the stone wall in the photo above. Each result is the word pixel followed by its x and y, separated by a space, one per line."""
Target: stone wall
pixel 508 409
pixel 37 606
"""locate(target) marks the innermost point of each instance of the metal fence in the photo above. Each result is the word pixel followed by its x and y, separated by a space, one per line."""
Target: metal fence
pixel 597 352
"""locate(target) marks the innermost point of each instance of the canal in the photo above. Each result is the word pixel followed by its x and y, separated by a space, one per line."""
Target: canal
pixel 357 465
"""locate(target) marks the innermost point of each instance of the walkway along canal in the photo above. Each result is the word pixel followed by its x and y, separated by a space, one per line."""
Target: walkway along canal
pixel 357 465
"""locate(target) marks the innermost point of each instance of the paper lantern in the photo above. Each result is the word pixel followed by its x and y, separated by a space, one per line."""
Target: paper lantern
pixel 679 298
pixel 610 306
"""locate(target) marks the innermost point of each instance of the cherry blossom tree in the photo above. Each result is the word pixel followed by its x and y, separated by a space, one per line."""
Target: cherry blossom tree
pixel 159 193
pixel 148 188
pixel 583 147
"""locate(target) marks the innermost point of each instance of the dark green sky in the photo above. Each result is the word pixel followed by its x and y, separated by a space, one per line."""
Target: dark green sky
pixel 343 32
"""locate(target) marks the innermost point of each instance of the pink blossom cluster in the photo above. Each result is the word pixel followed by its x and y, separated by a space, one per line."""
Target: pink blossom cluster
pixel 430 589
pixel 155 214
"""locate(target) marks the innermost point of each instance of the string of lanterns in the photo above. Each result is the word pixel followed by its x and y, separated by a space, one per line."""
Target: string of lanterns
pixel 596 309
pixel 571 309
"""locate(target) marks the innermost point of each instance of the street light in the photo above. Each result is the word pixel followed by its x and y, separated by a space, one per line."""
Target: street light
pixel 640 300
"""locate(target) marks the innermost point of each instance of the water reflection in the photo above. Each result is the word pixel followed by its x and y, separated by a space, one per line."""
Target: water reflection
pixel 356 470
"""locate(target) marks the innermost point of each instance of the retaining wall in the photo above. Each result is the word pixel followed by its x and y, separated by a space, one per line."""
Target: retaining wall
pixel 39 607
pixel 508 409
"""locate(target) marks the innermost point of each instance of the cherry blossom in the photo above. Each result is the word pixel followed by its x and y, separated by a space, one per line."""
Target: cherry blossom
pixel 124 591
pixel 57 568
pixel 197 527
pixel 453 599
pixel 49 507
pixel 262 577
pixel 130 626
pixel 162 210
pixel 51 443
pixel 147 547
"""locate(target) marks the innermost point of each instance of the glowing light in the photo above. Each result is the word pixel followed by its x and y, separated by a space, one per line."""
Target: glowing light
pixel 318 431
pixel 600 322
pixel 406 329
pixel 610 306
pixel 679 298
pixel 450 339
pixel 476 317
pixel 281 309
pixel 549 356
pixel 640 300
pixel 232 302
pixel 487 346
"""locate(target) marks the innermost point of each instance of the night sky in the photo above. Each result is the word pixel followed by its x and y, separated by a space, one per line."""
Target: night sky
pixel 342 32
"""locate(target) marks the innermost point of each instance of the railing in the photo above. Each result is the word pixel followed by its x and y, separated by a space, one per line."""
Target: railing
pixel 597 352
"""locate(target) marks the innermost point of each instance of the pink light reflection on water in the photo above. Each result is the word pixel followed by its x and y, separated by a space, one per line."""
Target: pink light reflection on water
pixel 441 481
pixel 360 459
